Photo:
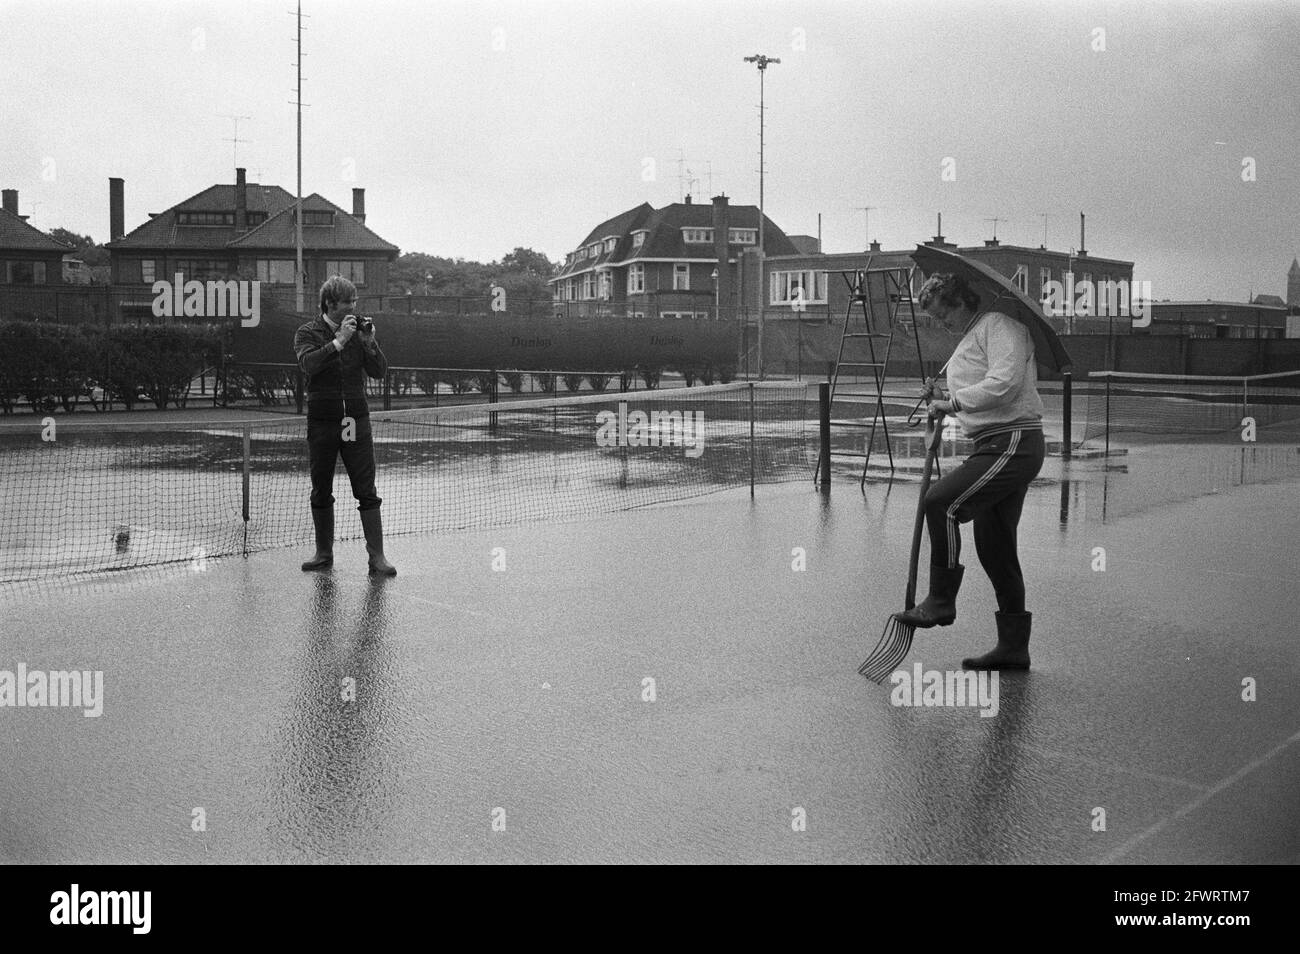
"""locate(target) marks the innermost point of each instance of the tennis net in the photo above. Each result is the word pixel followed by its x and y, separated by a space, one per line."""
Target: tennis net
pixel 1178 405
pixel 98 497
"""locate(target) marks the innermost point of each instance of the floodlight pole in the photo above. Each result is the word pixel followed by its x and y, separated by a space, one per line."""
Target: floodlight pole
pixel 762 62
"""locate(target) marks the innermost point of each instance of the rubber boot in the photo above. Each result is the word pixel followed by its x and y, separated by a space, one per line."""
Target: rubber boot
pixel 1012 651
pixel 374 530
pixel 323 518
pixel 940 607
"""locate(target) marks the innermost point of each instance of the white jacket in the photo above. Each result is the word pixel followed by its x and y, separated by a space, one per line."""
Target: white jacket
pixel 993 378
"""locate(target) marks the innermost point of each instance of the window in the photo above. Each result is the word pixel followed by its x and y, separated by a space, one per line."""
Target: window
pixel 638 238
pixel 27 273
pixel 588 286
pixel 681 276
pixel 147 266
pixel 635 279
pixel 256 218
pixel 742 236
pixel 317 217
pixel 276 271
pixel 1021 278
pixel 698 236
pixel 203 269
pixel 1044 276
pixel 353 271
pixel 205 218
pixel 610 243
pixel 557 291
pixel 606 286
pixel 808 286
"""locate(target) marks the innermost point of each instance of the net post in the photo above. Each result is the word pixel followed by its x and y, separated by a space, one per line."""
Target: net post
pixel 247 455
pixel 824 441
pixel 1067 421
pixel 492 398
pixel 751 439
pixel 297 388
pixel 1108 418
pixel 388 389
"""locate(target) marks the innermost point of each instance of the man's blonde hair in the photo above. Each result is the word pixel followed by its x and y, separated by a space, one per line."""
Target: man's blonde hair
pixel 336 289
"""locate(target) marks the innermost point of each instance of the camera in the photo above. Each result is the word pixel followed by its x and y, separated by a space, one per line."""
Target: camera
pixel 365 325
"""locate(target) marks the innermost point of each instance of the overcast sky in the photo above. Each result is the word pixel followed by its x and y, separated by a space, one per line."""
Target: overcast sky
pixel 477 127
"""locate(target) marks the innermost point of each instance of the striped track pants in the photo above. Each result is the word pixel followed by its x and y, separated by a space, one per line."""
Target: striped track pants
pixel 988 488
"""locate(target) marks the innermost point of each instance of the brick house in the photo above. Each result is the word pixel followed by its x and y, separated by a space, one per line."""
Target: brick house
pixel 246 230
pixel 649 262
pixel 27 255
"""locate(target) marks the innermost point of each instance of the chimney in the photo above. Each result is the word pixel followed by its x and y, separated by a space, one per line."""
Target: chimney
pixel 688 198
pixel 875 245
pixel 721 248
pixel 991 243
pixel 116 210
pixel 938 241
pixel 9 201
pixel 359 205
pixel 241 201
pixel 1083 246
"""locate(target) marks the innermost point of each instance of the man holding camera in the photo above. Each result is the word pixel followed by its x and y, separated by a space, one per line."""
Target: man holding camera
pixel 336 352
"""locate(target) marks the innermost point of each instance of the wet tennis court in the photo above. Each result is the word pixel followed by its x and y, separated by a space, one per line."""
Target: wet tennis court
pixel 678 684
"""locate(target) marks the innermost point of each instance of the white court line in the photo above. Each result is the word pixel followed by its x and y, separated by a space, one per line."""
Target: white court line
pixel 1190 807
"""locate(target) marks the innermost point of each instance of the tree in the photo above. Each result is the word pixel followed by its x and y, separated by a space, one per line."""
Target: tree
pixel 527 261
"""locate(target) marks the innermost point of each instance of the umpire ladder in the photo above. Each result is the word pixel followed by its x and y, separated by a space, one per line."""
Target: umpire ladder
pixel 880 304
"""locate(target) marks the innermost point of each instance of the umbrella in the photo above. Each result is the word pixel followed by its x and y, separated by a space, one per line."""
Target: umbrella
pixel 998 294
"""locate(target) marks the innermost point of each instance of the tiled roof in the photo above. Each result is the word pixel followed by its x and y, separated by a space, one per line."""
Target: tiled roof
pixel 17 235
pixel 162 231
pixel 346 234
pixel 664 237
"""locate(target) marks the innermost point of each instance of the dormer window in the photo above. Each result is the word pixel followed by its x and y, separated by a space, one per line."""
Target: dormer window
pixel 742 236
pixel 610 243
pixel 638 238
pixel 205 218
pixel 698 236
pixel 317 217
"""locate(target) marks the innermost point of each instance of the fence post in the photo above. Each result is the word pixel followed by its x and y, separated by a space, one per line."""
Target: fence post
pixel 751 439
pixel 1067 423
pixel 247 447
pixel 388 389
pixel 297 388
pixel 824 436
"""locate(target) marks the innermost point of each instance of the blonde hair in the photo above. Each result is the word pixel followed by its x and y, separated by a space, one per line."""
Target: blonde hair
pixel 336 289
pixel 951 290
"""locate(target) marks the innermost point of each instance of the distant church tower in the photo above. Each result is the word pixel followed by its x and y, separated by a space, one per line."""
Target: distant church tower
pixel 1293 283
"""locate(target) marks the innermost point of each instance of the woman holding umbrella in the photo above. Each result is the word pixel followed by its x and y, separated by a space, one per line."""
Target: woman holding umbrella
pixel 992 391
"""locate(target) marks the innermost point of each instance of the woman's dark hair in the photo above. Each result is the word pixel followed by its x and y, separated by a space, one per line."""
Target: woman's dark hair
pixel 951 290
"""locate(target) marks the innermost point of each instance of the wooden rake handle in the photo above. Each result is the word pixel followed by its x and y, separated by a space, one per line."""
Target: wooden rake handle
pixel 933 437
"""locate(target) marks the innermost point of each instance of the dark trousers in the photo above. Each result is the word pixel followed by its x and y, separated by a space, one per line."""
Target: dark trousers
pixel 988 488
pixel 325 443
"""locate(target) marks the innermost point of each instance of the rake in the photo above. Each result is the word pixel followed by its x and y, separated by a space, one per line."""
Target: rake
pixel 896 640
